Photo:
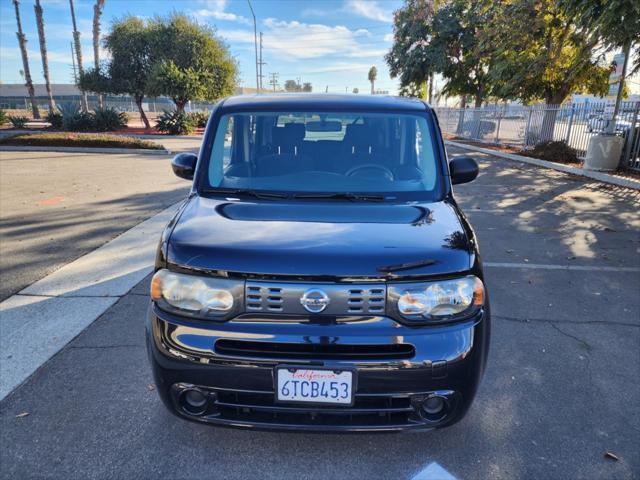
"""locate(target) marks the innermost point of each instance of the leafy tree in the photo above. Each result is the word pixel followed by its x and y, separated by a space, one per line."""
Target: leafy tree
pixel 617 24
pixel 307 87
pixel 43 53
pixel 447 41
pixel 131 64
pixel 414 90
pixel 456 52
pixel 372 76
pixel 291 86
pixel 409 58
pixel 558 58
pixel 22 41
pixel 192 62
pixel 538 52
pixel 355 90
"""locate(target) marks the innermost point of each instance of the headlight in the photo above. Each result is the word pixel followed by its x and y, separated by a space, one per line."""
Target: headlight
pixel 442 300
pixel 195 295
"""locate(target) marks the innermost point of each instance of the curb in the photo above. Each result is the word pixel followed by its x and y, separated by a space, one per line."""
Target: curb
pixel 44 317
pixel 161 136
pixel 599 176
pixel 144 151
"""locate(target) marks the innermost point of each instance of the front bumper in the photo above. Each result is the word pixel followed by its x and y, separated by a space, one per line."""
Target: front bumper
pixel 392 382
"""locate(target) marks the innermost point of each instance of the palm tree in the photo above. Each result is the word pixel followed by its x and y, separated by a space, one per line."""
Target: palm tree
pixel 97 13
pixel 43 52
pixel 78 49
pixel 22 40
pixel 373 74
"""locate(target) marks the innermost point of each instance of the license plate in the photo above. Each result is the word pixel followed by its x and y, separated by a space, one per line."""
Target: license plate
pixel 314 386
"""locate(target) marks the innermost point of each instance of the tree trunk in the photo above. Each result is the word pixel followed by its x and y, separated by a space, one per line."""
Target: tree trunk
pixel 547 129
pixel 430 91
pixel 477 117
pixel 43 52
pixel 180 103
pixel 463 105
pixel 611 125
pixel 97 13
pixel 372 87
pixel 78 48
pixel 143 116
pixel 22 40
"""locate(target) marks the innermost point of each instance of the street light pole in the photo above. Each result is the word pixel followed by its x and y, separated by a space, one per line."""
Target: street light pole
pixel 255 41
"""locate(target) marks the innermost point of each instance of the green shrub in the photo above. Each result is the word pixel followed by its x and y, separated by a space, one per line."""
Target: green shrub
pixel 555 151
pixel 199 119
pixel 174 123
pixel 78 122
pixel 68 109
pixel 108 119
pixel 55 119
pixel 18 122
pixel 3 117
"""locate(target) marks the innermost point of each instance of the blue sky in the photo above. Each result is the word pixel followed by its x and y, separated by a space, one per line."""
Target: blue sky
pixel 330 43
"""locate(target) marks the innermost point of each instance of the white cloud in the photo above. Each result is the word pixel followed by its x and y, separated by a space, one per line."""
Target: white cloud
pixel 369 9
pixel 341 67
pixel 298 40
pixel 388 37
pixel 216 9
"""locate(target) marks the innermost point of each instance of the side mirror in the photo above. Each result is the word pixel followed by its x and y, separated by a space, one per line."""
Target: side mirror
pixel 184 165
pixel 463 170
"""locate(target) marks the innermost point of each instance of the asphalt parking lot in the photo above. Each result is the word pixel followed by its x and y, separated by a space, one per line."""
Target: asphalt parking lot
pixel 55 207
pixel 561 390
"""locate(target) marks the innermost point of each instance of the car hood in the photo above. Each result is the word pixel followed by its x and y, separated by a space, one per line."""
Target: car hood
pixel 320 239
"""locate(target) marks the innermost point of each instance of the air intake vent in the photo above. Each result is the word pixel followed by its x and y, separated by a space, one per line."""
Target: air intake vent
pixel 267 299
pixel 277 350
pixel 362 300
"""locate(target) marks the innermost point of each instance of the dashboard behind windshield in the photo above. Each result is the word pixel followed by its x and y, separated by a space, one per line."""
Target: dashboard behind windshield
pixel 296 152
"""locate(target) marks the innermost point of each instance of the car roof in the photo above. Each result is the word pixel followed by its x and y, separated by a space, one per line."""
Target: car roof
pixel 321 101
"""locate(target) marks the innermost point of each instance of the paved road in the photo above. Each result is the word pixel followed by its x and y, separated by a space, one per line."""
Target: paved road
pixel 55 207
pixel 560 391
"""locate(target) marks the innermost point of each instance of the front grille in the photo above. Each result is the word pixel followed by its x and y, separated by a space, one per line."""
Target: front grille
pixel 331 351
pixel 344 299
pixel 264 298
pixel 367 411
pixel 369 300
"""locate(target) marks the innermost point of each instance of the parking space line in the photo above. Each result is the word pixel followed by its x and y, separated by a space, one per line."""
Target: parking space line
pixel 581 268
pixel 433 471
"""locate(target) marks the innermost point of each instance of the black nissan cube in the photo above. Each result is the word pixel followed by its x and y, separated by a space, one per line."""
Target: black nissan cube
pixel 320 275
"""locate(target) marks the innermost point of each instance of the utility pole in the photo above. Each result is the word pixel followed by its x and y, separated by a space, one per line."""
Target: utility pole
pixel 255 43
pixel 261 63
pixel 274 80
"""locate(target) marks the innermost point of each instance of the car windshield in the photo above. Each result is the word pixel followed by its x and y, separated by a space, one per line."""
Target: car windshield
pixel 329 153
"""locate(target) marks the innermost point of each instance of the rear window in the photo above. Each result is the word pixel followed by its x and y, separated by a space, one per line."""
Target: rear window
pixel 324 152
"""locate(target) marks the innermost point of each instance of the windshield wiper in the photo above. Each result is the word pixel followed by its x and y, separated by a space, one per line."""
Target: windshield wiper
pixel 407 266
pixel 250 193
pixel 354 197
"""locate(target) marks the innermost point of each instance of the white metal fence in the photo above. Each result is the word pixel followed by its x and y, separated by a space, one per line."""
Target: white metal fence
pixel 525 127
